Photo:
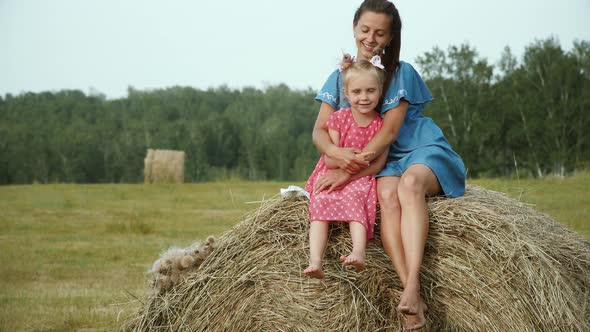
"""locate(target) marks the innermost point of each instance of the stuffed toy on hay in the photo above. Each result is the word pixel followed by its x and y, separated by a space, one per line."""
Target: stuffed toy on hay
pixel 491 264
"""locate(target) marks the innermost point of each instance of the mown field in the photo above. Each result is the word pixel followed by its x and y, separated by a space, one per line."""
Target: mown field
pixel 74 257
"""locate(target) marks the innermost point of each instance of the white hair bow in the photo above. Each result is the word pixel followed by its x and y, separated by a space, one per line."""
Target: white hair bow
pixel 376 61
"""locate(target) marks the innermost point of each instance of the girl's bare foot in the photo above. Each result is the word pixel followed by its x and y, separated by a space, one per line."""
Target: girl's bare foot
pixel 356 260
pixel 314 271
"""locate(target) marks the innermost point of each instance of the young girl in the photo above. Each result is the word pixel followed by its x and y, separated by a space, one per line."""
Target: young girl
pixel 356 202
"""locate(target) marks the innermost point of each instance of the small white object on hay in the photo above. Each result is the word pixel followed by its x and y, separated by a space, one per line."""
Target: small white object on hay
pixel 164 166
pixel 491 264
pixel 167 270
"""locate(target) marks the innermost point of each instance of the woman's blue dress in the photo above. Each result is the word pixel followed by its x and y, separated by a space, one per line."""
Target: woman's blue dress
pixel 420 140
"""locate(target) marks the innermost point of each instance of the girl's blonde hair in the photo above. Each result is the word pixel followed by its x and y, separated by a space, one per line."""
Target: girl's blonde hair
pixel 351 69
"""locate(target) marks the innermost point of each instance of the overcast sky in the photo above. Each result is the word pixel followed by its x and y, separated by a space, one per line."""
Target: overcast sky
pixel 108 45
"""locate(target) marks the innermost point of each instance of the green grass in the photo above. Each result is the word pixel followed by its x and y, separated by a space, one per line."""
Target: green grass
pixel 71 255
pixel 566 200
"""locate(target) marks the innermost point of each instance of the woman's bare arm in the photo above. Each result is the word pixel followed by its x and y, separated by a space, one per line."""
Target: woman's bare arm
pixel 336 178
pixel 335 138
pixel 392 122
pixel 375 167
pixel 378 147
pixel 344 158
pixel 320 136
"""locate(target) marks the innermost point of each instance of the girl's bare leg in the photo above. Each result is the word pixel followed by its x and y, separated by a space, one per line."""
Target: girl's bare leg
pixel 318 237
pixel 416 182
pixel 391 214
pixel 356 258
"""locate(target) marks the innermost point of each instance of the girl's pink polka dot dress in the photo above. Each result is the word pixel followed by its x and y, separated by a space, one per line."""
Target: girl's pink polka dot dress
pixel 357 200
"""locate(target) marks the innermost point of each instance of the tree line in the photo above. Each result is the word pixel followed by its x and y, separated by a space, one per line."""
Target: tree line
pixel 524 117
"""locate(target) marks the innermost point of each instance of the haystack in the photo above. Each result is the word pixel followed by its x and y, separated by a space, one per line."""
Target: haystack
pixel 492 264
pixel 164 166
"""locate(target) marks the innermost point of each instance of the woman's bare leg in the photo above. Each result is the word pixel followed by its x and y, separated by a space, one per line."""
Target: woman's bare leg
pixel 391 224
pixel 416 182
pixel 318 237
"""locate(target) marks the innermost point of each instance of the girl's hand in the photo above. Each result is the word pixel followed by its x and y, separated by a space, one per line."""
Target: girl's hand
pixel 332 180
pixel 348 160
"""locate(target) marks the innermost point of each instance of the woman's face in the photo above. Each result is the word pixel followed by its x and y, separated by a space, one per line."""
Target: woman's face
pixel 371 30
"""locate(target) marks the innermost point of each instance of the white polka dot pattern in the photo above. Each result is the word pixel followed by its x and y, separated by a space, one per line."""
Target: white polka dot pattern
pixel 357 201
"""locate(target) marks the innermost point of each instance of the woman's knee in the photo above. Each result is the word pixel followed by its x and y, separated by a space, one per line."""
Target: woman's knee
pixel 388 199
pixel 411 185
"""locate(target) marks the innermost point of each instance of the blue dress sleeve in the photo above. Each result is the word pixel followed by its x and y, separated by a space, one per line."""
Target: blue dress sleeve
pixel 406 84
pixel 330 92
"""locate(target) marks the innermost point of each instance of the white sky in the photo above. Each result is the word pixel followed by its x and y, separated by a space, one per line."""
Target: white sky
pixel 108 45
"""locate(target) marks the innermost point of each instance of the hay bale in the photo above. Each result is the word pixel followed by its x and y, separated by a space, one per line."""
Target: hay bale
pixel 164 166
pixel 491 264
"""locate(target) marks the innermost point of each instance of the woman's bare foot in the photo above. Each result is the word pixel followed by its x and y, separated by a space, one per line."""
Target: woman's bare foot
pixel 417 321
pixel 410 301
pixel 413 307
pixel 356 260
pixel 314 271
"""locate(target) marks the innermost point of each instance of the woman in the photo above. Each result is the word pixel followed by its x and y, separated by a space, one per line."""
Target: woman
pixel 420 161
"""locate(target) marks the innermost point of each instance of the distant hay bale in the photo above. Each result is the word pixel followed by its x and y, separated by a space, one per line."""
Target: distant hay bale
pixel 491 264
pixel 164 166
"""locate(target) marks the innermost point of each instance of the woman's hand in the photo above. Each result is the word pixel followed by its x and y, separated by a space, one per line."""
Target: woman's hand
pixel 367 156
pixel 332 180
pixel 348 159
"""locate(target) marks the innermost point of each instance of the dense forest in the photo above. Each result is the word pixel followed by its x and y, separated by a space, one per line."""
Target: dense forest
pixel 519 117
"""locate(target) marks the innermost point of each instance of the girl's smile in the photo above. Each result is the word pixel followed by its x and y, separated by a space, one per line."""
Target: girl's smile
pixel 363 92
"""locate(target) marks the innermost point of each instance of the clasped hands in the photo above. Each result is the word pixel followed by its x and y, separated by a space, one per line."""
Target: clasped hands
pixel 346 162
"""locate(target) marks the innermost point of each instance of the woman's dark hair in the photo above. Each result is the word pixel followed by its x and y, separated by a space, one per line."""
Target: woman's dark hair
pixel 391 57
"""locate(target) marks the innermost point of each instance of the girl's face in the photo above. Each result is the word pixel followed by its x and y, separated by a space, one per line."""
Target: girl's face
pixel 363 92
pixel 371 30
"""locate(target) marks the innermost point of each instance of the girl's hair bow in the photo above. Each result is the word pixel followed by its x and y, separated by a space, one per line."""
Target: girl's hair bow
pixel 376 61
pixel 347 61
